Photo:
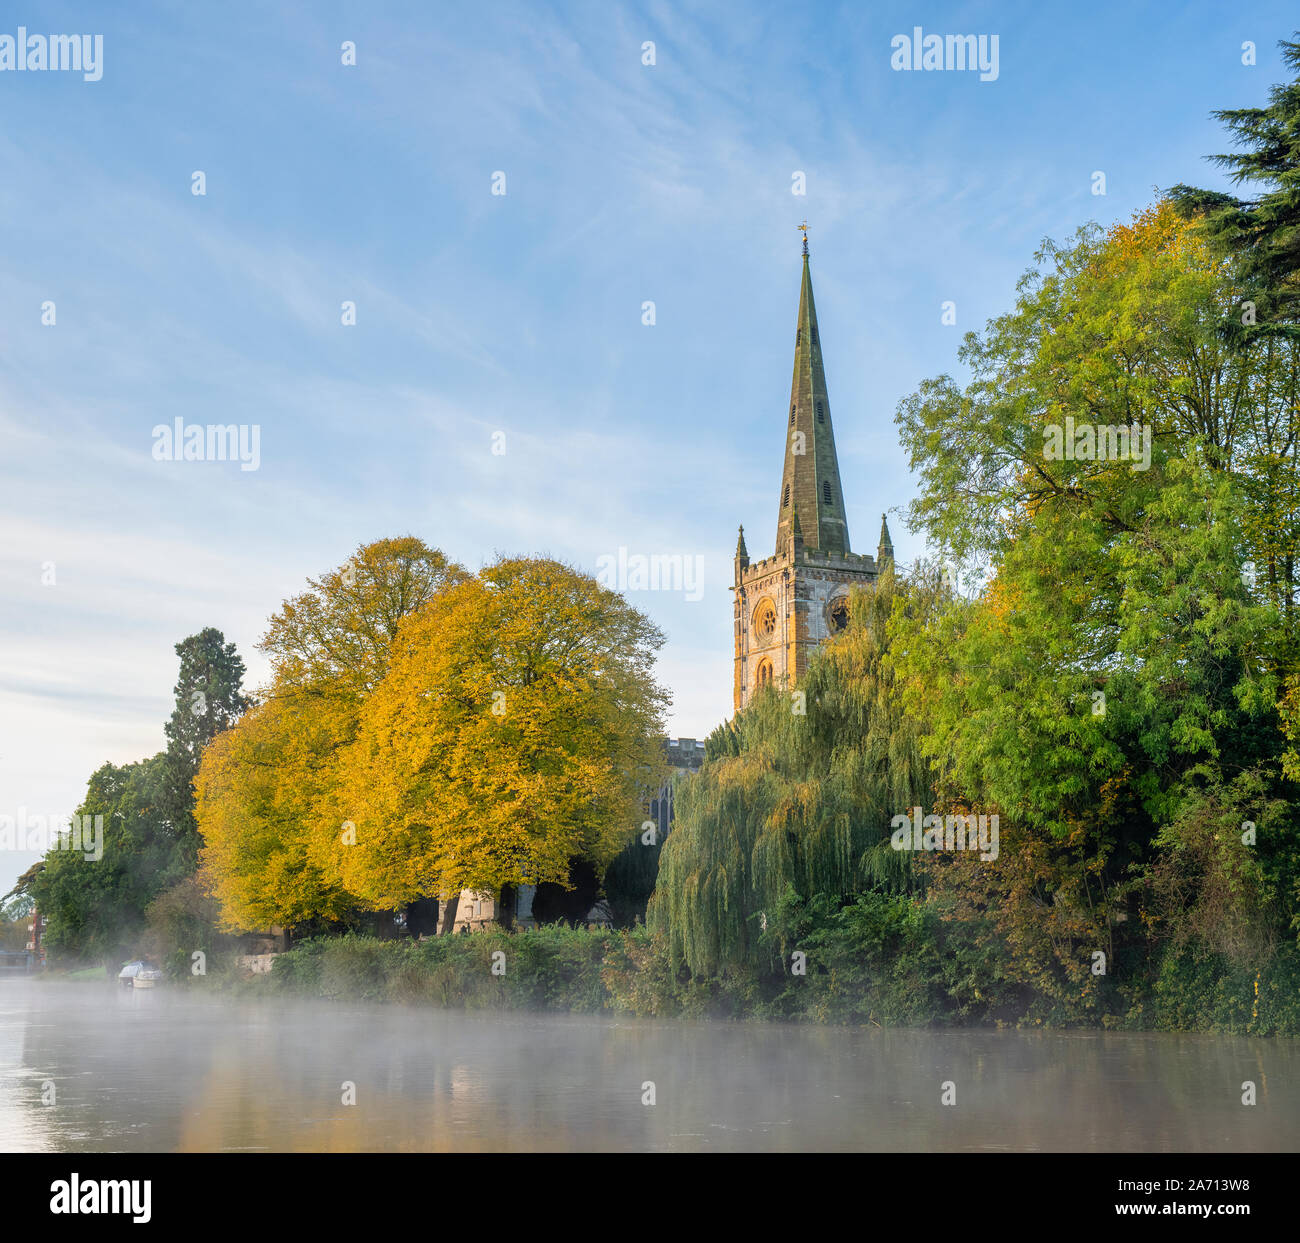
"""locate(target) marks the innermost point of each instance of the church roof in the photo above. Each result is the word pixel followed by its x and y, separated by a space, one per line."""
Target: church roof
pixel 811 478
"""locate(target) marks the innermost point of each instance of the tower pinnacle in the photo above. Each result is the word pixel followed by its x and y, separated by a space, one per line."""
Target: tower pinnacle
pixel 885 549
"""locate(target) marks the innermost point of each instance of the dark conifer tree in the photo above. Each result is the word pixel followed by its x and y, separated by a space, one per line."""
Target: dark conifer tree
pixel 209 699
pixel 1262 232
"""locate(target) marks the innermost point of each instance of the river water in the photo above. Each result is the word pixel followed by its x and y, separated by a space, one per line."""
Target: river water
pixel 163 1071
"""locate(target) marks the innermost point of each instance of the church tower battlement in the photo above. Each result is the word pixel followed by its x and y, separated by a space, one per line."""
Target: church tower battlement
pixel 789 602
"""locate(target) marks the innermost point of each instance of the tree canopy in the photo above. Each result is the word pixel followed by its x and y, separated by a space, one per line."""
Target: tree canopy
pixel 335 638
pixel 512 727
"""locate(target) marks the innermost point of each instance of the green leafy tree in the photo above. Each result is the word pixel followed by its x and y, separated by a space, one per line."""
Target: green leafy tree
pixel 94 902
pixel 94 907
pixel 1117 675
pixel 14 918
pixel 1261 236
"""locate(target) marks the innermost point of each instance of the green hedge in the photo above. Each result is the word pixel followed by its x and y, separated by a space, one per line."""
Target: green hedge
pixel 552 968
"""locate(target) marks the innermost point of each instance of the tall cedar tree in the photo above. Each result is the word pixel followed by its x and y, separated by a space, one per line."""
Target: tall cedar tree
pixel 1263 232
pixel 209 700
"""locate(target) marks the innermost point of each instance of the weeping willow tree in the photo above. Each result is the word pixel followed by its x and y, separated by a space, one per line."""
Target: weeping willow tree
pixel 790 807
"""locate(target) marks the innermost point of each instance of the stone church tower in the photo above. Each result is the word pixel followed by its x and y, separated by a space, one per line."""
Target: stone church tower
pixel 789 602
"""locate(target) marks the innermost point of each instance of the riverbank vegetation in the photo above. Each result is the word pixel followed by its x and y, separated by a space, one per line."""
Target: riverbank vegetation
pixel 880 961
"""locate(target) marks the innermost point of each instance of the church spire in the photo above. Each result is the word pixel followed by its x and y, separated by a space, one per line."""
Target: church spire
pixel 811 478
pixel 885 549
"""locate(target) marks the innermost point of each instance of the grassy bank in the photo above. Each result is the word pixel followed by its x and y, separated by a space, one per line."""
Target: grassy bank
pixel 904 979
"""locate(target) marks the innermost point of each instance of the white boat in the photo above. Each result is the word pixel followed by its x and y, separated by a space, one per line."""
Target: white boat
pixel 139 975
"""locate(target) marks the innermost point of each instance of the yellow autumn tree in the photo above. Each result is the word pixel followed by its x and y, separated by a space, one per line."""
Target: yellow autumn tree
pixel 517 728
pixel 335 638
pixel 261 784
pixel 257 790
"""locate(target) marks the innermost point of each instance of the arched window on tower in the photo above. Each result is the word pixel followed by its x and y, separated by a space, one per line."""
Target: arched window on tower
pixel 764 675
pixel 826 491
pixel 821 413
pixel 785 500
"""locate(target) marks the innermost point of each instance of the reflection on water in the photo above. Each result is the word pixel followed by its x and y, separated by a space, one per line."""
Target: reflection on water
pixel 161 1071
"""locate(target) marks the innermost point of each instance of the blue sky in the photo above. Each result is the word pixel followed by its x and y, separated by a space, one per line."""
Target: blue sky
pixel 521 312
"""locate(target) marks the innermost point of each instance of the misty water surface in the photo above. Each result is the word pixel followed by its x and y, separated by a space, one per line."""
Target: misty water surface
pixel 161 1071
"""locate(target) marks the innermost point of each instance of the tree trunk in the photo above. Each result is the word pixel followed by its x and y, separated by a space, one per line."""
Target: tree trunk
pixel 447 914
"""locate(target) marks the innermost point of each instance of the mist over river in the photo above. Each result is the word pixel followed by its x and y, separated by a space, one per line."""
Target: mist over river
pixel 177 1071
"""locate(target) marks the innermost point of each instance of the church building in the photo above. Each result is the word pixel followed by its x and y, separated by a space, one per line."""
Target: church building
pixel 789 602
